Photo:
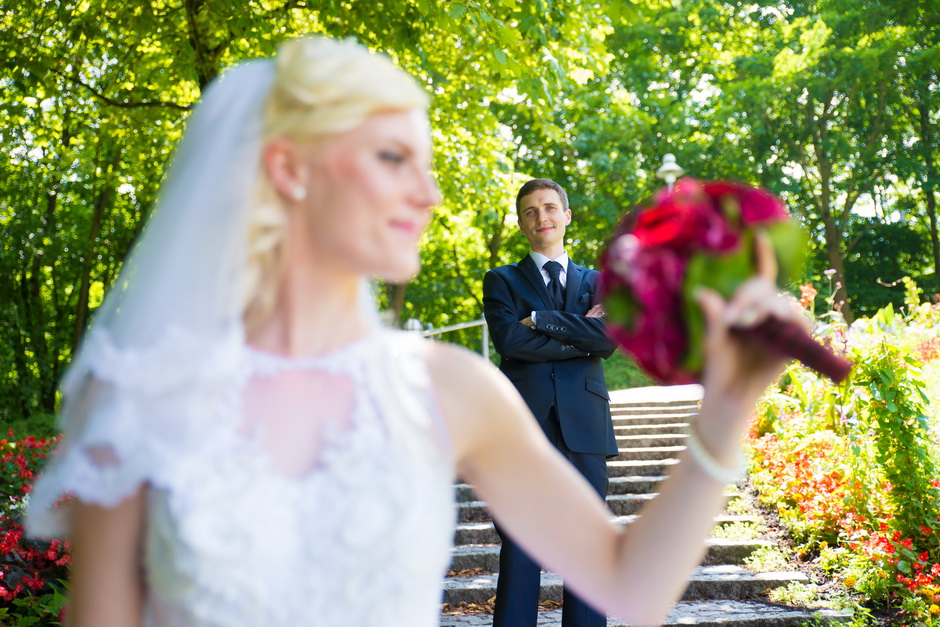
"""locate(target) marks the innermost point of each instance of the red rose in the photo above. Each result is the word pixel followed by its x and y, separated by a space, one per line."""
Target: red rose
pixel 685 220
pixel 694 236
pixel 755 205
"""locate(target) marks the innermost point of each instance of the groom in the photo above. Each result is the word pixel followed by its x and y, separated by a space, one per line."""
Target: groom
pixel 550 336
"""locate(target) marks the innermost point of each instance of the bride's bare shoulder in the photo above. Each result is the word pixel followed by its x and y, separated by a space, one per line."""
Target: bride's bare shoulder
pixel 468 386
pixel 452 366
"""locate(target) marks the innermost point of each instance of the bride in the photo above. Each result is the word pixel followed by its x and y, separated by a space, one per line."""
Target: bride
pixel 245 445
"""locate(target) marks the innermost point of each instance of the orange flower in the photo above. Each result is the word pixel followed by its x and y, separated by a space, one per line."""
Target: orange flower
pixel 807 295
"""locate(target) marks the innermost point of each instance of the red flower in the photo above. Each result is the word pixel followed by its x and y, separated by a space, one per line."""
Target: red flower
pixel 756 206
pixel 33 583
pixel 686 220
pixel 695 236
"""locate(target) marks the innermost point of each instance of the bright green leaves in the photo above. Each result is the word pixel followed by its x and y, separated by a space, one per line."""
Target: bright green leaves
pixel 455 10
pixel 814 34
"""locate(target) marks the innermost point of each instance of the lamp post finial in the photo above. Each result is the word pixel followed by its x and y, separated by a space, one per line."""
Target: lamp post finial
pixel 669 171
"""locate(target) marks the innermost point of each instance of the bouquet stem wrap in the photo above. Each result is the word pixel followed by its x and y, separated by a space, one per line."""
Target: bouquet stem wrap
pixel 699 235
pixel 793 341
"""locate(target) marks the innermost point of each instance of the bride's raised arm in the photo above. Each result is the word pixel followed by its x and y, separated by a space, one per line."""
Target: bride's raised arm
pixel 554 514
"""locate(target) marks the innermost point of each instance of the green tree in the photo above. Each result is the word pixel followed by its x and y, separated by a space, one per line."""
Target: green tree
pixel 96 95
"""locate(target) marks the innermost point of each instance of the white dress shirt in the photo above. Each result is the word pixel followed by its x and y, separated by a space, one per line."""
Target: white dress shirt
pixel 540 261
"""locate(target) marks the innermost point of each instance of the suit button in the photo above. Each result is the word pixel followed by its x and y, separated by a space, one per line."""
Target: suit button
pixel 553 376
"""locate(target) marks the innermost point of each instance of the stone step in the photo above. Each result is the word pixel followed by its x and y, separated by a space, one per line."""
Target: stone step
pixel 704 613
pixel 705 582
pixel 650 441
pixel 654 407
pixel 647 429
pixel 622 421
pixel 617 485
pixel 484 533
pixel 619 504
pixel 652 452
pixel 640 467
pixel 633 485
pixel 718 551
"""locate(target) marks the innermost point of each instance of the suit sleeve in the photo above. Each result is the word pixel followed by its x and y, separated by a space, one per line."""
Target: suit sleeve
pixel 588 334
pixel 512 339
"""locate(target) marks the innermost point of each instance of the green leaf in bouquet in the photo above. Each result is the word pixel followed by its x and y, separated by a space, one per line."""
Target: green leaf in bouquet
pixel 790 243
pixel 722 273
pixel 620 307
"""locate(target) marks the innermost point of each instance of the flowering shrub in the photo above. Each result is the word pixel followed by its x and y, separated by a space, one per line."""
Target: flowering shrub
pixel 928 350
pixel 808 295
pixel 853 469
pixel 32 572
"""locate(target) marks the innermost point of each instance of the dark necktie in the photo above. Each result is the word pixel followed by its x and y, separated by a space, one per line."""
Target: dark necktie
pixel 554 283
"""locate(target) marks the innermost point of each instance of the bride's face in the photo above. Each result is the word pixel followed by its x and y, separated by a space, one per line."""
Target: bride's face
pixel 370 193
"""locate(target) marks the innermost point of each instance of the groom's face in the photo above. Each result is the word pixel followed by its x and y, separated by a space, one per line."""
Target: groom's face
pixel 543 219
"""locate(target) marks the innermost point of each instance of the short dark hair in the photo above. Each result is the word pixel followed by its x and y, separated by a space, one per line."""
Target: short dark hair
pixel 537 184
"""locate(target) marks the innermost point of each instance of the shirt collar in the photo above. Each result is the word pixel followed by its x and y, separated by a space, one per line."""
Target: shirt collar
pixel 540 260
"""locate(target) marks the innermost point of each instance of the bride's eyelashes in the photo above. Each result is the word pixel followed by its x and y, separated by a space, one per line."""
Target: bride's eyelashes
pixel 393 157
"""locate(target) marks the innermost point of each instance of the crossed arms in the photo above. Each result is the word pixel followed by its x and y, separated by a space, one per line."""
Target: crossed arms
pixel 554 336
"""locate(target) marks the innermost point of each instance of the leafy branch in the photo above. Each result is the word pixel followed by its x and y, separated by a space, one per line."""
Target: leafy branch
pixel 124 104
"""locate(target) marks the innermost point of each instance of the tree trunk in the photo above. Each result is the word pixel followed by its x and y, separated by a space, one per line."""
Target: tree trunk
pixel 833 233
pixel 103 201
pixel 36 331
pixel 396 301
pixel 493 245
pixel 928 185
pixel 836 262
pixel 21 368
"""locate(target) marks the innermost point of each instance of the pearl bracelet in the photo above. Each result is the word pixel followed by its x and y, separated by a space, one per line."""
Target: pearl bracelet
pixel 708 464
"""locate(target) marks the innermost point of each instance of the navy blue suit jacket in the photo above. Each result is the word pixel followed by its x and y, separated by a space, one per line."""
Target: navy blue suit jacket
pixel 559 361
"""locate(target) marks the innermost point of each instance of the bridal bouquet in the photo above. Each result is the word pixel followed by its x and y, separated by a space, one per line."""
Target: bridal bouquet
pixel 699 235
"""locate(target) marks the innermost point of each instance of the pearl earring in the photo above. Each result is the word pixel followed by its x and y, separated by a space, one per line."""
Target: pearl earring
pixel 298 192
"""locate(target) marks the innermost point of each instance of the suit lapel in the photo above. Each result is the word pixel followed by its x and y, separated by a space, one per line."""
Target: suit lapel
pixel 533 275
pixel 572 286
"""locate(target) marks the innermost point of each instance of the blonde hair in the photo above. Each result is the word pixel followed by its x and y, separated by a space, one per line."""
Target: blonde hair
pixel 321 87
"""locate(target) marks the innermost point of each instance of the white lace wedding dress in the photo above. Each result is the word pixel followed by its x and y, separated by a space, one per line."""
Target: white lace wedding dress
pixel 247 526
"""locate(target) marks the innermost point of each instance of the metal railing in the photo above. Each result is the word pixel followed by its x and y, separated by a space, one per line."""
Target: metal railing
pixel 415 326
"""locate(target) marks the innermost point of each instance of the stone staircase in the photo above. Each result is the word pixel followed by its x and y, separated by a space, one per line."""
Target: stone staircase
pixel 649 428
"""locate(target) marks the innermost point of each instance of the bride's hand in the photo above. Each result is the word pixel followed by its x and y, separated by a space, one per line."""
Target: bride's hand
pixel 737 370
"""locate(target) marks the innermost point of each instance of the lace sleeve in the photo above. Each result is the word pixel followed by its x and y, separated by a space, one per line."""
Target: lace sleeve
pixel 126 422
pixel 100 462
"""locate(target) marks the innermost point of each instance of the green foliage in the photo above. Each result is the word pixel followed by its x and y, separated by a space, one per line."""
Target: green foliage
pixel 796 593
pixel 766 559
pixel 831 104
pixel 852 469
pixel 892 409
pixel 621 372
pixel 96 96
pixel 882 255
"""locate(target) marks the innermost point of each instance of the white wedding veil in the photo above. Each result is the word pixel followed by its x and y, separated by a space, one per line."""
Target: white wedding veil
pixel 156 369
pixel 172 320
pixel 185 276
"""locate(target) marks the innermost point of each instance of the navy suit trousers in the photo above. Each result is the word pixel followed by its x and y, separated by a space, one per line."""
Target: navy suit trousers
pixel 518 585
